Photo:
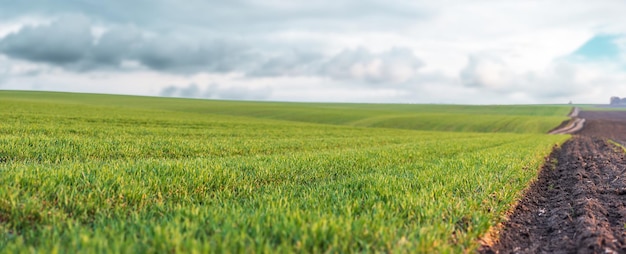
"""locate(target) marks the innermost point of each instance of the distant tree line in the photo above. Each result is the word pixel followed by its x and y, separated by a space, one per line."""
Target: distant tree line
pixel 618 101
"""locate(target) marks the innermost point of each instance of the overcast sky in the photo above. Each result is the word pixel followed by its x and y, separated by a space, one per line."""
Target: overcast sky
pixel 476 52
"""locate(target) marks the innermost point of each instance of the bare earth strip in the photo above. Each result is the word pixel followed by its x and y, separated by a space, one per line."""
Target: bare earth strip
pixel 578 203
pixel 574 125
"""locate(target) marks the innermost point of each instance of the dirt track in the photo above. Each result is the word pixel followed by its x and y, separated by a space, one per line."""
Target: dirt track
pixel 578 204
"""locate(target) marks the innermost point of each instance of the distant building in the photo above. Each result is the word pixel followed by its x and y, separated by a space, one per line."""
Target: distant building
pixel 617 101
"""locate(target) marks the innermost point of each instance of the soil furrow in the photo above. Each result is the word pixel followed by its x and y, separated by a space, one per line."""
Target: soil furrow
pixel 578 203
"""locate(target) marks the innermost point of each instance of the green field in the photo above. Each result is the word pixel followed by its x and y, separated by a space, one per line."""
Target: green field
pixel 85 173
pixel 459 118
pixel 601 108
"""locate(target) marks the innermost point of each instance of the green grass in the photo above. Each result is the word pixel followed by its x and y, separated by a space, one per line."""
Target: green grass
pixel 517 119
pixel 98 173
pixel 601 108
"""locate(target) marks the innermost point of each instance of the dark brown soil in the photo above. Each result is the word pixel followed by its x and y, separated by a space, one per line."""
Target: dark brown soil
pixel 578 203
pixel 609 124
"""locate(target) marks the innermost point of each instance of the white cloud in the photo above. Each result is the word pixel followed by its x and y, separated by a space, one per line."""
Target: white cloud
pixel 397 65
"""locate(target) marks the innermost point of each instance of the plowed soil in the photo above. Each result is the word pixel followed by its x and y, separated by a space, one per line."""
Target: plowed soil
pixel 578 203
pixel 609 124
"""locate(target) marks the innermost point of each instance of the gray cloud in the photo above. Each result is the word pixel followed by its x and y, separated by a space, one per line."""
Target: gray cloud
pixel 395 66
pixel 215 91
pixel 212 37
pixel 294 62
pixel 170 91
pixel 191 91
pixel 63 42
pixel 69 42
pixel 115 45
pixel 193 56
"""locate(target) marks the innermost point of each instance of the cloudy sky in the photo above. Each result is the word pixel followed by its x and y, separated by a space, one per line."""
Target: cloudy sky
pixel 448 51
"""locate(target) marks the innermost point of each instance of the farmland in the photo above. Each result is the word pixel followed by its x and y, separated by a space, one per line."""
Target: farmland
pixel 140 174
pixel 577 203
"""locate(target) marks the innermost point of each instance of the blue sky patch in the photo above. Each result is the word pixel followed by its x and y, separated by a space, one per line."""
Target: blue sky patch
pixel 600 47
